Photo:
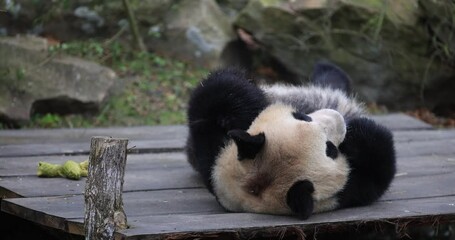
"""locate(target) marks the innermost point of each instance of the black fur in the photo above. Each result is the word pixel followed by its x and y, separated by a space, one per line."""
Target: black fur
pixel 371 156
pixel 226 100
pixel 331 150
pixel 302 116
pixel 326 74
pixel 299 198
pixel 247 146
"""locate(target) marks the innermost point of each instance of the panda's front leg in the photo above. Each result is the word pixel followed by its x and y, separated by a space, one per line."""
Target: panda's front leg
pixel 300 200
pixel 370 152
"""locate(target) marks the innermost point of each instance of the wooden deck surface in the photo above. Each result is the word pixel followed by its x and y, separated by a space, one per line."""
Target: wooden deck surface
pixel 164 197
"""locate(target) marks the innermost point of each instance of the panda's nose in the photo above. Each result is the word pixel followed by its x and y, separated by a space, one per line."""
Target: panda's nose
pixel 333 124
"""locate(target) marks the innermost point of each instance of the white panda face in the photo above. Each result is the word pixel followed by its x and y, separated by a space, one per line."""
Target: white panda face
pixel 295 147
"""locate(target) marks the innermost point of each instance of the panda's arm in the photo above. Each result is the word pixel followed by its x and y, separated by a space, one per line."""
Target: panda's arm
pixel 371 156
pixel 226 100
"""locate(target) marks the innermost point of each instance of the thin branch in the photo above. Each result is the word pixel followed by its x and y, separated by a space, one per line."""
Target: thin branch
pixel 133 25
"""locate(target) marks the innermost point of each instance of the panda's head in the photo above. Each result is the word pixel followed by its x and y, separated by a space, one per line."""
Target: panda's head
pixel 282 150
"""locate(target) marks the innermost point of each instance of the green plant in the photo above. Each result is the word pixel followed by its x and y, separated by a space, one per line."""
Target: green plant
pixel 156 89
pixel 48 120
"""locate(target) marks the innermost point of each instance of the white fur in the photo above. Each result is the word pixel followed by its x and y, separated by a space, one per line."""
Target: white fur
pixel 294 150
pixel 311 98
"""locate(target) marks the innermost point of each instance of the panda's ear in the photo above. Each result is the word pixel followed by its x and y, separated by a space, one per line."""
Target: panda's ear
pixel 248 146
pixel 326 74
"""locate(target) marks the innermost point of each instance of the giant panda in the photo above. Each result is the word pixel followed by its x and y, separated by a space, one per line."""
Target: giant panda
pixel 287 150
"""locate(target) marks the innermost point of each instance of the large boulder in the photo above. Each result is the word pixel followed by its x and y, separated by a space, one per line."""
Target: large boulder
pixel 69 20
pixel 33 81
pixel 383 45
pixel 195 31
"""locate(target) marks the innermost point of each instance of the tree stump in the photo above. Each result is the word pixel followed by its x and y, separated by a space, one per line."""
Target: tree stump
pixel 103 191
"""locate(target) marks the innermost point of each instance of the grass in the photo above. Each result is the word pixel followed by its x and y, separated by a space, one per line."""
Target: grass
pixel 155 89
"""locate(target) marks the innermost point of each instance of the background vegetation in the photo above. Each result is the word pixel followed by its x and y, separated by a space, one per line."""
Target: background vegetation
pixel 154 89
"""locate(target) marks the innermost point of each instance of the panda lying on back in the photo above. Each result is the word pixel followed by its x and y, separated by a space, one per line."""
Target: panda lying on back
pixel 287 149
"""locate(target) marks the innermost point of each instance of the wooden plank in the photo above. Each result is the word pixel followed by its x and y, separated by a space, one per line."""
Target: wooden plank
pixel 170 170
pixel 53 211
pixel 426 148
pixel 400 121
pixel 423 135
pixel 405 186
pixel 425 166
pixel 200 200
pixel 140 180
pixel 435 139
pixel 396 121
pixel 406 141
pixel 28 136
pixel 136 146
pixel 136 204
pixel 149 227
pixel 27 166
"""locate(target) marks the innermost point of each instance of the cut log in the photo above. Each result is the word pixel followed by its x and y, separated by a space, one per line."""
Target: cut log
pixel 104 212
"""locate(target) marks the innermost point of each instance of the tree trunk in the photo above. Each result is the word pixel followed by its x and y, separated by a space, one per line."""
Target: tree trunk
pixel 103 191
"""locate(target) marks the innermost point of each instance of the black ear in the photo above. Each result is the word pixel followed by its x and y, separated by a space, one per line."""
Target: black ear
pixel 248 146
pixel 326 74
pixel 299 198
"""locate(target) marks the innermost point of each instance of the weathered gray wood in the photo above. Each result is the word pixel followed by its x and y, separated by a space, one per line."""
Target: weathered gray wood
pixel 199 205
pixel 32 186
pixel 423 135
pixel 13 166
pixel 399 121
pixel 426 148
pixel 164 197
pixel 155 146
pixel 170 171
pixel 27 166
pixel 104 212
pixel 396 121
pixel 150 227
pixel 29 136
pixel 140 146
pixel 200 200
pixel 135 204
pixel 408 184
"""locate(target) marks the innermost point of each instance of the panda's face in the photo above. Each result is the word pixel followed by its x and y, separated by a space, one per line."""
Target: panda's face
pixel 255 171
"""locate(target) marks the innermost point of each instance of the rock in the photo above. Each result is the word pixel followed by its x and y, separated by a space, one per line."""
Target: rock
pixel 147 12
pixel 33 81
pixel 381 44
pixel 194 31
pixel 232 7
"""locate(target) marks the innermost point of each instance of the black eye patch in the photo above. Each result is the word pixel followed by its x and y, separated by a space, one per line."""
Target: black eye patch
pixel 331 151
pixel 302 116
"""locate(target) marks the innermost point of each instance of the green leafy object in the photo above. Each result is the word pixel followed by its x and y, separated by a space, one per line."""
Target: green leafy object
pixel 48 169
pixel 71 170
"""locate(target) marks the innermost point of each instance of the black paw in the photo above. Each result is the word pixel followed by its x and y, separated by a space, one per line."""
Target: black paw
pixel 299 198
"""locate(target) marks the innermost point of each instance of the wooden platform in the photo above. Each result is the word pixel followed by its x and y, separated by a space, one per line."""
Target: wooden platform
pixel 164 198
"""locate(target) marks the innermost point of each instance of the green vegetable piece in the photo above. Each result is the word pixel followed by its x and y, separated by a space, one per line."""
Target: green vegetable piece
pixel 84 165
pixel 84 173
pixel 48 169
pixel 71 170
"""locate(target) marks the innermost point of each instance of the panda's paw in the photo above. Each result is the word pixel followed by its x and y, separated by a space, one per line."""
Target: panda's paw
pixel 300 200
pixel 368 144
